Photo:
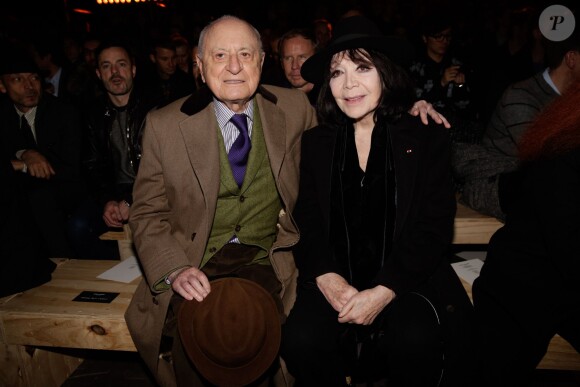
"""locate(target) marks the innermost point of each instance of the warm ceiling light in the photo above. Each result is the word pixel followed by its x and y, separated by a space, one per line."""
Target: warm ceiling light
pixel 80 10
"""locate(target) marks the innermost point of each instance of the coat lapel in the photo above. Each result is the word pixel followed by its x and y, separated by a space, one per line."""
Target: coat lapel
pixel 274 128
pixel 200 137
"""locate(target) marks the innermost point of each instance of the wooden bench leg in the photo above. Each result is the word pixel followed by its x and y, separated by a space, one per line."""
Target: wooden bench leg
pixel 35 367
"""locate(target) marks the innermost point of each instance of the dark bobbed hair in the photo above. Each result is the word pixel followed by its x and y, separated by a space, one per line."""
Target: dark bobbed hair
pixel 397 93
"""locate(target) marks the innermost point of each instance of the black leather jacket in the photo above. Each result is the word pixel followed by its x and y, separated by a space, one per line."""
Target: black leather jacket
pixel 99 161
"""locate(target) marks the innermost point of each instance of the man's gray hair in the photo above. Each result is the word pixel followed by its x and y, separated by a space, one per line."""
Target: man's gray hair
pixel 206 30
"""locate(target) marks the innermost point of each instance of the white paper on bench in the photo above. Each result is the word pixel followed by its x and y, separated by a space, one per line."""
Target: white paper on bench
pixel 468 270
pixel 125 271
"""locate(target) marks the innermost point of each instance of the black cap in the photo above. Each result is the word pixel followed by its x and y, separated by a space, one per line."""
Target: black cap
pixel 16 60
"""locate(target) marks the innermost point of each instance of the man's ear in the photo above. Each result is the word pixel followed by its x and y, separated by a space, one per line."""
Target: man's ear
pixel 152 58
pixel 200 65
pixel 3 89
pixel 571 59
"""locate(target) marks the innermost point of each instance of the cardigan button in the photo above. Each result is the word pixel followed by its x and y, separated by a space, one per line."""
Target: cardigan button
pixel 238 228
pixel 212 250
pixel 242 198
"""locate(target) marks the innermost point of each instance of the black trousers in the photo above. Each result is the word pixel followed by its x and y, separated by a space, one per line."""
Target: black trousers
pixel 418 341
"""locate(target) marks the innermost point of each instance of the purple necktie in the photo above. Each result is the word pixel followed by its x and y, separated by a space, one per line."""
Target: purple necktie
pixel 240 149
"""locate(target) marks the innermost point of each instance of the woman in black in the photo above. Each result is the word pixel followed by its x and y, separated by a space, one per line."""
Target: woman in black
pixel 376 296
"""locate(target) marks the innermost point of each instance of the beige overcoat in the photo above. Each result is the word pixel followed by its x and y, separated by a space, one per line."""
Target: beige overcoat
pixel 175 197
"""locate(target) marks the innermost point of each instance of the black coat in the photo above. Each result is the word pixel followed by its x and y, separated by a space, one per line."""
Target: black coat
pixel 424 212
pixel 24 264
pixel 532 267
pixel 98 159
pixel 59 130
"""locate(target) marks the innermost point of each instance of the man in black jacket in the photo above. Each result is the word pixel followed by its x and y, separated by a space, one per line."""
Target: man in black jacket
pixel 113 151
pixel 42 137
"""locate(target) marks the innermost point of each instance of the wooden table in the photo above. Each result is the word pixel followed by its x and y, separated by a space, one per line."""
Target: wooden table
pixel 36 325
pixel 471 227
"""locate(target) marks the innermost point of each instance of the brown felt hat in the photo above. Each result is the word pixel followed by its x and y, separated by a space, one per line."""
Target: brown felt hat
pixel 233 335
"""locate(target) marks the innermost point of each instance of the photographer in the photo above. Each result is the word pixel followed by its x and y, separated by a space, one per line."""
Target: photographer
pixel 440 77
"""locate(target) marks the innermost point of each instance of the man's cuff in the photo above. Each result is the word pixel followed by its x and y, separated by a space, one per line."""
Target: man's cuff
pixel 19 154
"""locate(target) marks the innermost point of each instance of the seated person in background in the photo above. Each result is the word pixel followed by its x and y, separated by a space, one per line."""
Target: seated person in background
pixel 440 76
pixel 480 166
pixel 114 152
pixel 24 264
pixel 294 48
pixel 42 135
pixel 376 297
pixel 164 82
pixel 529 287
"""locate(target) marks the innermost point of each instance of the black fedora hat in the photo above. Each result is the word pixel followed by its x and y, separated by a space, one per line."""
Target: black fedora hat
pixel 356 32
pixel 17 60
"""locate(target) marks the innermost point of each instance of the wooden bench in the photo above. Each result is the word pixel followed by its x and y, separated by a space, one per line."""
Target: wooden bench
pixel 471 227
pixel 42 330
pixel 124 240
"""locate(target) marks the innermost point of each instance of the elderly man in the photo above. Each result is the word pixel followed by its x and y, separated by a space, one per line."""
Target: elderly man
pixel 196 213
pixel 214 194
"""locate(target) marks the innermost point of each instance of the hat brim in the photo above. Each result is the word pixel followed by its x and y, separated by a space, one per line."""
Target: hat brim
pixel 398 50
pixel 242 374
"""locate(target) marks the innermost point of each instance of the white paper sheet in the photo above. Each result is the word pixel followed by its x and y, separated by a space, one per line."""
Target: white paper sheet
pixel 468 270
pixel 467 255
pixel 125 271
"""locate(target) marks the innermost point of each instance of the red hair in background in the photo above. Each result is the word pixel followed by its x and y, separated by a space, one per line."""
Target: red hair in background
pixel 556 130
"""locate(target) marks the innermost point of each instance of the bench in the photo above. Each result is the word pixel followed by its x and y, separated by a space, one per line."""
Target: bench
pixel 471 227
pixel 124 240
pixel 44 335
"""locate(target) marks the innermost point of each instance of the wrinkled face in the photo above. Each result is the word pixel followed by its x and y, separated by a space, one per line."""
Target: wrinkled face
pixel 165 61
pixel 231 63
pixel 294 53
pixel 356 88
pixel 181 57
pixel 23 89
pixel 116 71
pixel 438 43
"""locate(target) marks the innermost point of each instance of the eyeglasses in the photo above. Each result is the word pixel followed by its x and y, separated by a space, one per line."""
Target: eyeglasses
pixel 441 37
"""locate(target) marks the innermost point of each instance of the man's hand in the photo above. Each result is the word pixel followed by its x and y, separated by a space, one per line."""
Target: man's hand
pixel 116 213
pixel 366 305
pixel 425 109
pixel 335 289
pixel 38 165
pixel 450 74
pixel 190 283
